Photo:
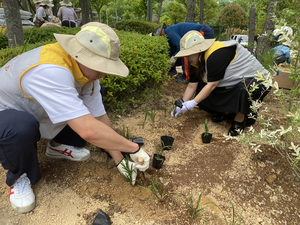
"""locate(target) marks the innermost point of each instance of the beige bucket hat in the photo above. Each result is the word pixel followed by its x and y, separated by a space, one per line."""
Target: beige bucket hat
pixel 193 42
pixel 46 2
pixel 95 46
pixel 65 3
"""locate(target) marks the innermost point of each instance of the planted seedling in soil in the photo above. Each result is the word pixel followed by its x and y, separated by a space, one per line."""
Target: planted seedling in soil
pixel 189 204
pixel 234 221
pixel 152 114
pixel 125 133
pixel 129 170
pixel 157 190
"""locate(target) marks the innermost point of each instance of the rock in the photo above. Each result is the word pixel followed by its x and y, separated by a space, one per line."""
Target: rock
pixel 260 220
pixel 271 178
pixel 261 164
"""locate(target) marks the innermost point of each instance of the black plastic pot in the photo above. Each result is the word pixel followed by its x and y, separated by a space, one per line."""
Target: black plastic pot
pixel 207 138
pixel 167 141
pixel 158 163
pixel 102 219
pixel 138 140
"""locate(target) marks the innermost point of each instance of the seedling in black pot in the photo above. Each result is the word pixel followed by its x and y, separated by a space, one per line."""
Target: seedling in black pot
pixel 166 142
pixel 206 136
pixel 158 159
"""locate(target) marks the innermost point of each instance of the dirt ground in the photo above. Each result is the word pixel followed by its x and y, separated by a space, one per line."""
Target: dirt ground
pixel 261 184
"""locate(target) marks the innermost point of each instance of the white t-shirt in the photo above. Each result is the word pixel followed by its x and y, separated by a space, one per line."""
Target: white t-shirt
pixel 53 87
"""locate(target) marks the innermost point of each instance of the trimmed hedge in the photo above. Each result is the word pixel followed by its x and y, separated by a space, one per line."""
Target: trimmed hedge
pixel 148 62
pixel 137 26
pixel 146 57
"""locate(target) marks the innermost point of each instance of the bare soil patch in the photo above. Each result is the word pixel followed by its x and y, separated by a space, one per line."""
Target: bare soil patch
pixel 223 171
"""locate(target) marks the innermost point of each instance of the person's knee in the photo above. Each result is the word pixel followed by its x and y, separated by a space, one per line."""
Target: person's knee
pixel 26 128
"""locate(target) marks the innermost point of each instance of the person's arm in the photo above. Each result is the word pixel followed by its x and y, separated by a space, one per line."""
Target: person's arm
pixel 206 90
pixel 189 91
pixel 100 134
pixel 116 155
pixel 203 94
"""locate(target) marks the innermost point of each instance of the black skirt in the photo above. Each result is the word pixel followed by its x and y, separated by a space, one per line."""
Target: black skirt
pixel 232 99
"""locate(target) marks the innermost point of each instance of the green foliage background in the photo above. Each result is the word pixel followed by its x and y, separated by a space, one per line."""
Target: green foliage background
pixel 138 26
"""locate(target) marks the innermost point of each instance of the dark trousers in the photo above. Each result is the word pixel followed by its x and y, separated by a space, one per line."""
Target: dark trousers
pixel 19 134
pixel 67 23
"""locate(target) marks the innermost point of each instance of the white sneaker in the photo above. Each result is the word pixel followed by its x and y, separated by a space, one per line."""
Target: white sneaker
pixel 67 152
pixel 21 195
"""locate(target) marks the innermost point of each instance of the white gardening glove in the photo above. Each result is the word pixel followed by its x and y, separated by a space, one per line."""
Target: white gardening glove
pixel 124 172
pixel 140 153
pixel 176 112
pixel 188 105
pixel 173 60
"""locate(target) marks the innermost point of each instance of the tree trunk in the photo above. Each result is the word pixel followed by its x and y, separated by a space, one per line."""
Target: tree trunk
pixel 91 15
pixel 24 5
pixel 201 11
pixel 227 38
pixel 161 2
pixel 116 10
pixel 251 28
pixel 99 14
pixel 13 22
pixel 263 43
pixel 31 8
pixel 85 10
pixel 190 11
pixel 149 17
pixel 55 7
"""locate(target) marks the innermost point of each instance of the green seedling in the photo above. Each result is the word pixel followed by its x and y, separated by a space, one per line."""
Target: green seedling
pixel 163 146
pixel 158 150
pixel 234 221
pixel 146 114
pixel 152 114
pixel 129 170
pixel 189 204
pixel 206 128
pixel 125 133
pixel 157 190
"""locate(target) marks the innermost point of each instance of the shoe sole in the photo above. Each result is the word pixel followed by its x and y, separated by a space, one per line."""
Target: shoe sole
pixel 24 209
pixel 66 157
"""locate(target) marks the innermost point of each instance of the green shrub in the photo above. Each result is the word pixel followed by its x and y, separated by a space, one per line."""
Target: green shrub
pixel 9 53
pixel 137 26
pixel 3 41
pixel 148 62
pixel 34 35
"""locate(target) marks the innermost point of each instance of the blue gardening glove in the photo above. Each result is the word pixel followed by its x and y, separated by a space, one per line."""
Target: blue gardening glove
pixel 188 105
pixel 123 171
pixel 176 112
pixel 140 153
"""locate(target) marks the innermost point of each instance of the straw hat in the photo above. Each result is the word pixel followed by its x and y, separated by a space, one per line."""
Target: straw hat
pixel 46 2
pixel 287 43
pixel 95 46
pixel 193 42
pixel 65 3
